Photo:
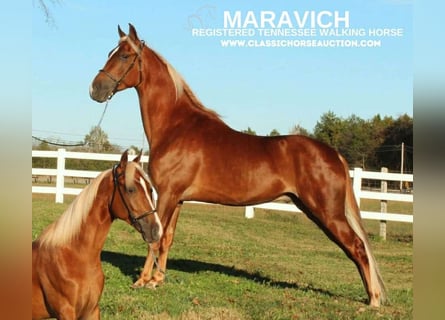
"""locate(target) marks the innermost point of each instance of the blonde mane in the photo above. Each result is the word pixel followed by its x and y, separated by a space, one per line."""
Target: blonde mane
pixel 67 227
pixel 183 88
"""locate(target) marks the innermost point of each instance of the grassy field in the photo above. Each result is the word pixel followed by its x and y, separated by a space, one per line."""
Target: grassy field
pixel 223 266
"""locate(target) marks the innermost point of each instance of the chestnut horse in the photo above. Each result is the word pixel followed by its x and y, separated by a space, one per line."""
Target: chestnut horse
pixel 205 160
pixel 67 276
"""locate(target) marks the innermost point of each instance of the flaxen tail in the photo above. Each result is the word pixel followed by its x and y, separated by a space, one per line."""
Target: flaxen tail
pixel 352 212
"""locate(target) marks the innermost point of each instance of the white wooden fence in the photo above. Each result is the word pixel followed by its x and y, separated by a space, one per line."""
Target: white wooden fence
pixel 60 172
pixel 357 174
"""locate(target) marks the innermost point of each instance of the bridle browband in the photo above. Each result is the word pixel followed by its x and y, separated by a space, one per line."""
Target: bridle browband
pixel 137 56
pixel 133 219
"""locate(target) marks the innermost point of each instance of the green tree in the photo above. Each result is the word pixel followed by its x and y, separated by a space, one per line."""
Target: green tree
pixel 297 129
pixel 329 129
pixel 38 162
pixel 249 131
pixel 370 144
pixel 355 138
pixel 389 152
pixel 378 127
pixel 274 133
pixel 97 140
pixel 136 149
pixel 356 141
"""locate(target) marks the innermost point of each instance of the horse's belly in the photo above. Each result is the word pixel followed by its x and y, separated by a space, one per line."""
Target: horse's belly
pixel 238 190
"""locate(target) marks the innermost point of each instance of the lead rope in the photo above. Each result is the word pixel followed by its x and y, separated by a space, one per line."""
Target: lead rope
pixel 103 113
pixel 155 259
pixel 72 144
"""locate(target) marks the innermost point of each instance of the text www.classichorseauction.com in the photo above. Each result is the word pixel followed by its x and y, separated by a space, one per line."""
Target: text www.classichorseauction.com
pixel 306 29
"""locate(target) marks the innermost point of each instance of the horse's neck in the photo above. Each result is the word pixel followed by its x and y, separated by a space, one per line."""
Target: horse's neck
pixel 165 111
pixel 95 229
pixel 161 120
pixel 159 110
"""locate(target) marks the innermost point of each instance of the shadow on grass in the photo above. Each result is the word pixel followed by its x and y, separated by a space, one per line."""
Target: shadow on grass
pixel 130 266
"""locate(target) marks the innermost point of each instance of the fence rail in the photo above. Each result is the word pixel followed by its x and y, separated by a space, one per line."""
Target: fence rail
pixel 358 175
pixel 60 172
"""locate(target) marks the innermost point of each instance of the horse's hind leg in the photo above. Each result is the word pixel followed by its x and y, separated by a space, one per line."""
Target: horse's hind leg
pixel 335 224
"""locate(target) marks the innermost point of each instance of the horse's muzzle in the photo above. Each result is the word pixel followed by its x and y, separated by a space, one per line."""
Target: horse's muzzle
pixel 151 232
pixel 99 95
pixel 101 91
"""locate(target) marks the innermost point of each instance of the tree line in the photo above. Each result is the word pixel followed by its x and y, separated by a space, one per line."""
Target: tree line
pixel 368 144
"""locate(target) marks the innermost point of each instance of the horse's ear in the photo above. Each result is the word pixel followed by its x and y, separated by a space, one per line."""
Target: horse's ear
pixel 138 158
pixel 124 160
pixel 132 33
pixel 121 33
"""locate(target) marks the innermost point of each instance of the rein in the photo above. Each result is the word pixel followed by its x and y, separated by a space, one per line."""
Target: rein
pixel 138 57
pixel 133 219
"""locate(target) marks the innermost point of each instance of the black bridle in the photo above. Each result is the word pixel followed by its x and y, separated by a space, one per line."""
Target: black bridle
pixel 118 82
pixel 133 219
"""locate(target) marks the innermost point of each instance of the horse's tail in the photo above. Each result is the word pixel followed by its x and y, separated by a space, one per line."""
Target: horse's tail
pixel 352 213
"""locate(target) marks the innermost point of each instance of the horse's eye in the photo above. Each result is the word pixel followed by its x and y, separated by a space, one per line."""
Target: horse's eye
pixel 124 57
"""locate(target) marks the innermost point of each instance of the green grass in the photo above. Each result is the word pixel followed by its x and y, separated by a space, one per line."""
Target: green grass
pixel 223 266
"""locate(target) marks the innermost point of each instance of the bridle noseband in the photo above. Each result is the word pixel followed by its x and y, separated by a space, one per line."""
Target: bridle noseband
pixel 118 82
pixel 133 219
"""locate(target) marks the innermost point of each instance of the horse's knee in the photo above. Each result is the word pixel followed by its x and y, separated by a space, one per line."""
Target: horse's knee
pixel 154 246
pixel 67 312
pixel 167 240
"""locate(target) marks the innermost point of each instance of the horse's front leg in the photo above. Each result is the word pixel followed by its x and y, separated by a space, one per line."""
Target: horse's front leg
pixel 94 315
pixel 160 250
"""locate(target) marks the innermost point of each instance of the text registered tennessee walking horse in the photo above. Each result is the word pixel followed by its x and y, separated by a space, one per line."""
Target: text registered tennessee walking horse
pixel 67 276
pixel 194 155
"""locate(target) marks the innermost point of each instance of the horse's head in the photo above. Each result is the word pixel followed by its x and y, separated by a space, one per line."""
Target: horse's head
pixel 132 198
pixel 123 68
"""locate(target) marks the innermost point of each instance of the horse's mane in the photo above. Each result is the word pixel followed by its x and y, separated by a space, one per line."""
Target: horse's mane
pixel 67 227
pixel 183 88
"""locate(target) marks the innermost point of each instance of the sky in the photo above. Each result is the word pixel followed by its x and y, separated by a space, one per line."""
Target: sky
pixel 254 86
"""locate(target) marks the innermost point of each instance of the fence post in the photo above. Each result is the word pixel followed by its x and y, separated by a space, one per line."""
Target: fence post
pixel 357 184
pixel 383 205
pixel 60 179
pixel 249 212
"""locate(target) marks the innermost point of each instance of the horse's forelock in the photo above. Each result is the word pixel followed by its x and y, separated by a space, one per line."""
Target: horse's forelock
pixel 130 173
pixel 130 178
pixel 131 43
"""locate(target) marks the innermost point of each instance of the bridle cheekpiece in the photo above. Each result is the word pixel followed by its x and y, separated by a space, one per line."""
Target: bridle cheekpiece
pixel 137 56
pixel 132 217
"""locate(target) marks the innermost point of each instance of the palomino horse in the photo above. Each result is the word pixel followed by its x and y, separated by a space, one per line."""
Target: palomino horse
pixel 205 160
pixel 67 276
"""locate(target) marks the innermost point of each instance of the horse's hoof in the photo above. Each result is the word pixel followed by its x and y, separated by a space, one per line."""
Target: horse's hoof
pixel 138 284
pixel 151 285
